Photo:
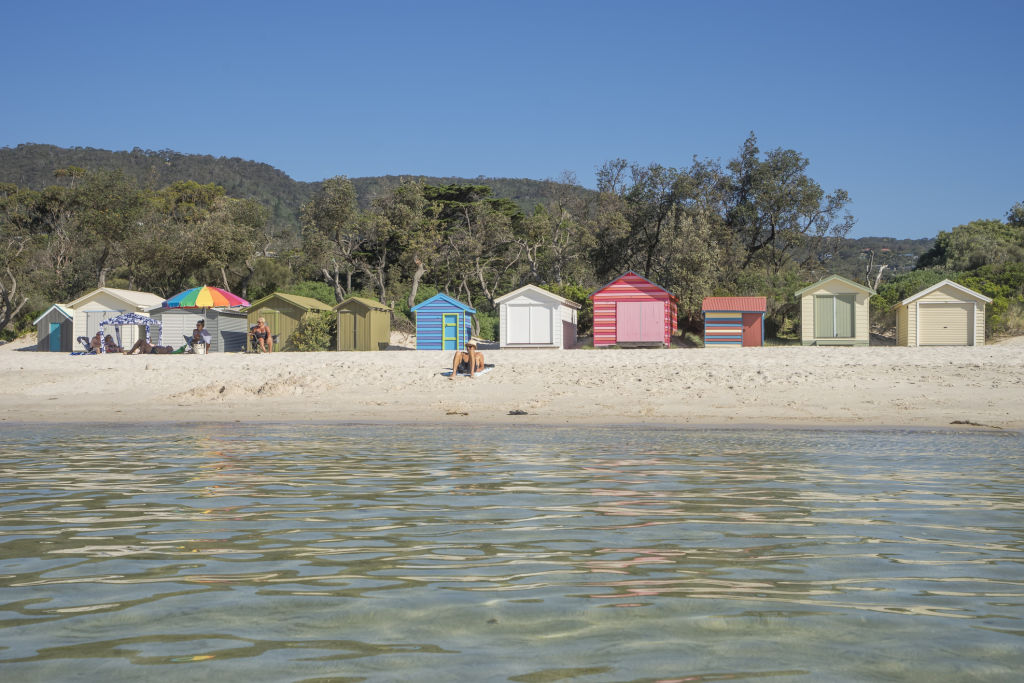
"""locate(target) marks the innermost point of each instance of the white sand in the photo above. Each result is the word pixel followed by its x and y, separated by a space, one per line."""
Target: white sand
pixel 783 386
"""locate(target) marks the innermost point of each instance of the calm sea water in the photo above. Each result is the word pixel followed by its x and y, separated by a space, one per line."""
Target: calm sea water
pixel 383 553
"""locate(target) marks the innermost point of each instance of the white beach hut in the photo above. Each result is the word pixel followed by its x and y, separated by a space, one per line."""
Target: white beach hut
pixel 106 302
pixel 534 318
pixel 945 314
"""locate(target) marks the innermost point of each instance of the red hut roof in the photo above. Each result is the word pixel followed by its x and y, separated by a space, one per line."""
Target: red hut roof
pixel 747 304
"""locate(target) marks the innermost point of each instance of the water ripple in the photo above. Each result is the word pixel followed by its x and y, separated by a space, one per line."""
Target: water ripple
pixel 389 553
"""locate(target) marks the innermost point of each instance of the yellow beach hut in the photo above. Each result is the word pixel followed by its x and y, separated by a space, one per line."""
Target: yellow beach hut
pixel 945 314
pixel 834 312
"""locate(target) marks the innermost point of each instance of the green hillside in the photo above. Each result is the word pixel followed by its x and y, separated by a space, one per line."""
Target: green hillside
pixel 32 166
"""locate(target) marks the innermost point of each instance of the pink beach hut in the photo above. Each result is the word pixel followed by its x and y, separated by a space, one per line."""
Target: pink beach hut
pixel 632 310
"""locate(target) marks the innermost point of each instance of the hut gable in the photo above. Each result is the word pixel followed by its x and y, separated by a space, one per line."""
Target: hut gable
pixel 734 320
pixel 834 311
pixel 945 314
pixel 631 309
pixel 363 325
pixel 442 323
pixel 531 317
pixel 283 313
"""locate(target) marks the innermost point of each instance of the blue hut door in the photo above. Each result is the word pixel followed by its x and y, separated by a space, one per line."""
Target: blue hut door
pixel 55 336
pixel 449 331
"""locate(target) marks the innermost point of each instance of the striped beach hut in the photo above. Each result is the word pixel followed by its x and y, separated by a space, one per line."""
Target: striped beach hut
pixel 634 311
pixel 945 314
pixel 734 320
pixel 442 323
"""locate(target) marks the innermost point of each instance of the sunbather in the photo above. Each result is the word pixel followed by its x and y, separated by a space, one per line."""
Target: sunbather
pixel 143 346
pixel 110 346
pixel 262 338
pixel 468 362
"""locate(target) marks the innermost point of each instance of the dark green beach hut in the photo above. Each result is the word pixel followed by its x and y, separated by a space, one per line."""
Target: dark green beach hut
pixel 363 325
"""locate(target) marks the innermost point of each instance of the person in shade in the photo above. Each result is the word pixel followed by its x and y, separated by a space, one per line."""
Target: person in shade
pixel 469 361
pixel 200 333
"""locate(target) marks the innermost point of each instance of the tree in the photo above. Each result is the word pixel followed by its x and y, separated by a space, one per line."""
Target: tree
pixel 331 233
pixel 15 241
pixel 778 212
pixel 976 244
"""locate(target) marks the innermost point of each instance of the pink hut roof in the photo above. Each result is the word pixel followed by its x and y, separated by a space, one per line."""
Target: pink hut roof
pixel 748 304
pixel 632 281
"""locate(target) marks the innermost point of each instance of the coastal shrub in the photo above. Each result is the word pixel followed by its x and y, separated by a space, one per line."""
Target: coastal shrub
pixel 315 332
pixel 487 326
pixel 314 289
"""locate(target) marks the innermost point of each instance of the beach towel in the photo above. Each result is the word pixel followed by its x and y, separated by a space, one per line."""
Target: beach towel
pixel 487 368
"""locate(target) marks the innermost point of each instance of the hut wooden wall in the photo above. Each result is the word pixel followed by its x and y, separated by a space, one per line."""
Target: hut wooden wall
pixel 629 288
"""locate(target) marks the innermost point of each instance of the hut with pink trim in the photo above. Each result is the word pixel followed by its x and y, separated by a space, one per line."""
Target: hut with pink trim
pixel 633 311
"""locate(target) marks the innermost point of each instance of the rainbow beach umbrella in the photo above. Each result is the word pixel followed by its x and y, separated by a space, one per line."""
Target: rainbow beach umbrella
pixel 205 297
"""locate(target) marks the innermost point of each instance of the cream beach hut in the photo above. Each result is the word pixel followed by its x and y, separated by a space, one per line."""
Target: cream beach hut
pixel 534 318
pixel 834 312
pixel 107 302
pixel 945 314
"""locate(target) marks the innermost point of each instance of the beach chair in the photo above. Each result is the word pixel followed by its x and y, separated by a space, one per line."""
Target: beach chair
pixel 87 349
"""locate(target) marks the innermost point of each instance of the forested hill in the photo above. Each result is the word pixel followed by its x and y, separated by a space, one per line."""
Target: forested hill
pixel 32 166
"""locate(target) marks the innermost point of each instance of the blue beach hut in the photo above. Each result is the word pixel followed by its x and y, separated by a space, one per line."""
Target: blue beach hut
pixel 442 323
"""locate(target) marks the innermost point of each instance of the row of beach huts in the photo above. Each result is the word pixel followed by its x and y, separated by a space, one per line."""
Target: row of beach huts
pixel 629 311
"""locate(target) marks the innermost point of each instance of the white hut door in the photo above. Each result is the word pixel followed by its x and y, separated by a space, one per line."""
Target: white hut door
pixel 528 324
pixel 540 325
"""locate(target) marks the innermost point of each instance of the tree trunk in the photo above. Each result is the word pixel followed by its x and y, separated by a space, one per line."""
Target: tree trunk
pixel 224 278
pixel 103 267
pixel 420 270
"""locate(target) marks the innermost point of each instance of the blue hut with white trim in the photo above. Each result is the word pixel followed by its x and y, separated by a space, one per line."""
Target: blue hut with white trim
pixel 442 323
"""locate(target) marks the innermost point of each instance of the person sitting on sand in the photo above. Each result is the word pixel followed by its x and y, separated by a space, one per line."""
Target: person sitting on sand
pixel 96 343
pixel 262 339
pixel 110 345
pixel 469 361
pixel 143 346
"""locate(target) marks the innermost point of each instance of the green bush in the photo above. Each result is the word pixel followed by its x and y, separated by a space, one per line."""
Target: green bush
pixel 316 332
pixel 488 326
pixel 580 295
pixel 314 289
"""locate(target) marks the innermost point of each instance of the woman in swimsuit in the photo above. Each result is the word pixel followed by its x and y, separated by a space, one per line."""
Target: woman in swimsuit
pixel 262 339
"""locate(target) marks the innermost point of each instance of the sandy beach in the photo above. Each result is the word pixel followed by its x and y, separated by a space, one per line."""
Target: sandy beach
pixel 775 386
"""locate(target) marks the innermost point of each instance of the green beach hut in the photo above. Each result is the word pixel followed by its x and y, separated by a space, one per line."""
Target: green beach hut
pixel 282 312
pixel 363 325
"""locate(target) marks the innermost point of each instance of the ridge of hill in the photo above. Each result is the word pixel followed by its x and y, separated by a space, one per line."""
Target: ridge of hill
pixel 32 165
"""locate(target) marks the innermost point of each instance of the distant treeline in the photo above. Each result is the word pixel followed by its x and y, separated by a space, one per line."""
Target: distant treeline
pixel 163 221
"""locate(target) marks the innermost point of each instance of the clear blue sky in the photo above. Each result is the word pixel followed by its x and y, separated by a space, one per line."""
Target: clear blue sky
pixel 915 108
